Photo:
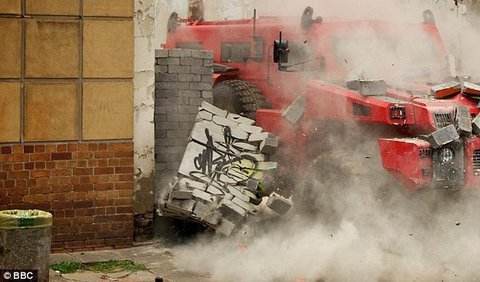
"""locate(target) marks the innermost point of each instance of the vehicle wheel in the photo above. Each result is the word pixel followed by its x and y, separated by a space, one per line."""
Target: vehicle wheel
pixel 239 97
pixel 341 182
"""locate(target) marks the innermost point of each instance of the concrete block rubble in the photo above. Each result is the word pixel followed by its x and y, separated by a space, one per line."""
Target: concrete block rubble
pixel 224 173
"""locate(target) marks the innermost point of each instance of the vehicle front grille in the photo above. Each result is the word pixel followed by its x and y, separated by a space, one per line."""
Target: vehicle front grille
pixel 476 163
pixel 443 119
pixel 425 153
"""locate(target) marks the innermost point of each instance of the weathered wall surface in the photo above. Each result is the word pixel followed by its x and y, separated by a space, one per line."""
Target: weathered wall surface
pixel 66 112
pixel 151 18
pixel 143 105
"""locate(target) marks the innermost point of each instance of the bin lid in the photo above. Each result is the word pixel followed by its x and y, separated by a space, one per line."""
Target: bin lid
pixel 15 219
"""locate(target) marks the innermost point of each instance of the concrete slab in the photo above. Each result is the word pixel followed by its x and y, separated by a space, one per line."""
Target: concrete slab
pixel 84 276
pixel 54 258
pixel 159 261
pixel 141 276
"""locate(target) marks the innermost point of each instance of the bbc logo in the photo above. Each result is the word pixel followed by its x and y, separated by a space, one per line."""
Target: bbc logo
pixel 18 275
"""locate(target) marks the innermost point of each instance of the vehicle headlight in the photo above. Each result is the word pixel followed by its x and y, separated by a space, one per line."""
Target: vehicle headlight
pixel 446 156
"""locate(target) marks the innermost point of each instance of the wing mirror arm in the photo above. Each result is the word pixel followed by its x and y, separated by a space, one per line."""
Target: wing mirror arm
pixel 280 52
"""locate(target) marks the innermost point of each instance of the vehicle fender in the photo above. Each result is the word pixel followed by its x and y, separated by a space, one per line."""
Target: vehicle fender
pixel 409 160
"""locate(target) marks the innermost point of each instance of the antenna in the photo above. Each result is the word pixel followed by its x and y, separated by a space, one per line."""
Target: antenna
pixel 254 23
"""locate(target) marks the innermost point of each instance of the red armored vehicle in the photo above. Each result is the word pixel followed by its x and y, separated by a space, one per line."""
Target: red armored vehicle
pixel 391 78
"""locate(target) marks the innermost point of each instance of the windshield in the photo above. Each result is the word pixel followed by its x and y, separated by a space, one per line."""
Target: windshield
pixel 393 57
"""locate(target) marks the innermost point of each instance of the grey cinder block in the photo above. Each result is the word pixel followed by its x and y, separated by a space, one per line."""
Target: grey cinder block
pixel 225 227
pixel 269 146
pixel 189 77
pixel 180 206
pixel 196 101
pixel 252 185
pixel 161 53
pixel 172 85
pixel 214 110
pixel 238 133
pixel 237 192
pixel 214 191
pixel 204 115
pixel 259 137
pixel 368 87
pixel 166 125
pixel 213 218
pixel 201 210
pixel 178 69
pixel 295 111
pixel 201 70
pixel 245 205
pixel 250 128
pixel 189 61
pixel 192 184
pixel 224 121
pixel 471 88
pixel 245 146
pixel 168 61
pixel 229 208
pixel 203 195
pixel 208 63
pixel 202 54
pixel 166 109
pixel 181 194
pixel 187 109
pixel 207 78
pixel 241 120
pixel 178 117
pixel 161 69
pixel 166 77
pixel 463 121
pixel 443 136
pixel 165 93
pixel 476 125
pixel 278 204
pixel 179 53
pixel 202 86
pixel 187 93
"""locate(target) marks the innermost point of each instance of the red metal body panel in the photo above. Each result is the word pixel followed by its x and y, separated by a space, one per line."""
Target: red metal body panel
pixel 472 174
pixel 331 102
pixel 403 158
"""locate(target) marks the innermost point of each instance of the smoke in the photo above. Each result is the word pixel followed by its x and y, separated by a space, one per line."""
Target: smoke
pixel 351 228
pixel 351 221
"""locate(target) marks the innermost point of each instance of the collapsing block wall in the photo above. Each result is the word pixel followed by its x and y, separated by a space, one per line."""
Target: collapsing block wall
pixel 224 172
pixel 183 80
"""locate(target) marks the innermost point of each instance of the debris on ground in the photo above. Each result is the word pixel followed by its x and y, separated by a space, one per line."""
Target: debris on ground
pixel 224 173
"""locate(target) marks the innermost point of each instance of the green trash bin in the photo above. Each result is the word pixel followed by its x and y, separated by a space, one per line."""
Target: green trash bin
pixel 25 237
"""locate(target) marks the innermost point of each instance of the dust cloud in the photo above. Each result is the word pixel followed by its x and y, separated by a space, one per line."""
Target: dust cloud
pixel 345 225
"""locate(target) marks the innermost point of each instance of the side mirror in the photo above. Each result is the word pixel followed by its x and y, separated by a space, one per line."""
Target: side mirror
pixel 280 51
pixel 172 23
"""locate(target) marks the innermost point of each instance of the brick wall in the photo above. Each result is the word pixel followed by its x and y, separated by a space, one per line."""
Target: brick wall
pixel 86 186
pixel 66 87
pixel 183 79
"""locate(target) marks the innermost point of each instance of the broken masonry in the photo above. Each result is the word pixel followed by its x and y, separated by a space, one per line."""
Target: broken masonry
pixel 224 172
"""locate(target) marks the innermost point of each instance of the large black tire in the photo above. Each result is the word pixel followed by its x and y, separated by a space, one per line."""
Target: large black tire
pixel 239 97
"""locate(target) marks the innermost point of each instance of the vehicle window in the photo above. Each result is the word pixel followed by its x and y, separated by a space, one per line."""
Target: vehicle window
pixel 235 52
